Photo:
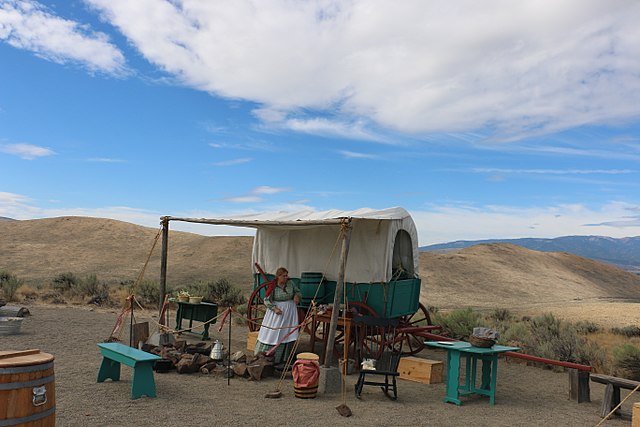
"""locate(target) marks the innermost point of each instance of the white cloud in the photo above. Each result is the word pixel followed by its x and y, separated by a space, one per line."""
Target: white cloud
pixel 462 222
pixel 26 151
pixel 265 189
pixel 233 162
pixel 12 199
pixel 512 68
pixel 243 199
pixel 354 155
pixel 435 224
pixel 26 24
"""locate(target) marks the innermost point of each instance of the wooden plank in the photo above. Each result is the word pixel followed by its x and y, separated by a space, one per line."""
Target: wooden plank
pixel 635 421
pixel 579 386
pixel 619 382
pixel 140 333
pixel 251 340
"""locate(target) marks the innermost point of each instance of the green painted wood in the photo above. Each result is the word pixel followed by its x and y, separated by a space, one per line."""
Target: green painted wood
pixel 115 354
pixel 202 312
pixel 487 356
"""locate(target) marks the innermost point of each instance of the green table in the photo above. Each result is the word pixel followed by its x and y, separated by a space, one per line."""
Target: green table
pixel 489 357
pixel 202 312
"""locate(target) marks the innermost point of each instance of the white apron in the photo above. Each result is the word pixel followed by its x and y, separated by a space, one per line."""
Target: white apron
pixel 289 317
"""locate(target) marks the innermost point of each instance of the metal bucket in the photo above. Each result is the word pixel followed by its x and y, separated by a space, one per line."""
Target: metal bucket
pixel 27 389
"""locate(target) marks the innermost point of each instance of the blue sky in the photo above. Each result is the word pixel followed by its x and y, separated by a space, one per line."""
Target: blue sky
pixel 492 119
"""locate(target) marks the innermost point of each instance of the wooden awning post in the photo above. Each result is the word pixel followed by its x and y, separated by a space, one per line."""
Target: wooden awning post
pixel 163 265
pixel 344 252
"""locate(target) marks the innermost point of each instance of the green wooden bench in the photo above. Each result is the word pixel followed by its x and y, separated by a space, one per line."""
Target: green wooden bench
pixel 612 393
pixel 114 354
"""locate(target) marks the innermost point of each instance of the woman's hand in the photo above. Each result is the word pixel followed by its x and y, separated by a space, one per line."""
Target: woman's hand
pixel 296 299
pixel 277 310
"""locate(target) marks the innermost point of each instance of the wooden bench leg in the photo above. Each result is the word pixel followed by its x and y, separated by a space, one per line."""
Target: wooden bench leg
pixel 579 386
pixel 143 381
pixel 610 400
pixel 109 369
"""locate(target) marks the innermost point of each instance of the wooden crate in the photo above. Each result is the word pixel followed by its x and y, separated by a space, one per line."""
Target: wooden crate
pixel 421 370
pixel 251 341
pixel 635 420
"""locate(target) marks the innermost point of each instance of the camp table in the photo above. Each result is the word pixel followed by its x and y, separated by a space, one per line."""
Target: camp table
pixel 489 357
pixel 202 312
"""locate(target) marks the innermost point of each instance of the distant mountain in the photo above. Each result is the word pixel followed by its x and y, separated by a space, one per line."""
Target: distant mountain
pixel 624 253
pixel 4 218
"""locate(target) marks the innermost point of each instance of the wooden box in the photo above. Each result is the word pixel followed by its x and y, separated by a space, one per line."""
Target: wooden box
pixel 252 337
pixel 421 370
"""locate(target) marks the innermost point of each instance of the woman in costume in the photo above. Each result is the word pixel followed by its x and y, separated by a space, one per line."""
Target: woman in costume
pixel 280 323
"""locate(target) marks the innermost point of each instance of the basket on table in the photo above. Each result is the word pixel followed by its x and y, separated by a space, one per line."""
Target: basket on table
pixel 481 341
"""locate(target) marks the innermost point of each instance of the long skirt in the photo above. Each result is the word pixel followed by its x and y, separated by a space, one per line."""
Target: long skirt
pixel 274 329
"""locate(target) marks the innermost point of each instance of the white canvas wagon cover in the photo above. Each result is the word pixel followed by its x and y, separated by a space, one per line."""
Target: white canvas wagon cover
pixel 383 242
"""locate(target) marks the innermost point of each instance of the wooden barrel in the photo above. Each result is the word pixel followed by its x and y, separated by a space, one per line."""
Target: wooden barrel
pixel 309 391
pixel 27 389
pixel 306 392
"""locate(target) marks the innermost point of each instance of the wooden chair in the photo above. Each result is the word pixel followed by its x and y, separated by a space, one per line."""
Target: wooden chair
pixel 376 339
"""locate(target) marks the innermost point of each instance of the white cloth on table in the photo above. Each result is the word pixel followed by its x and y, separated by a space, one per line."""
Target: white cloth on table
pixel 274 325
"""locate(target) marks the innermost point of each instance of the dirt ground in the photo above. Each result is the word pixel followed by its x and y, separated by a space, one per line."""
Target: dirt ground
pixel 526 395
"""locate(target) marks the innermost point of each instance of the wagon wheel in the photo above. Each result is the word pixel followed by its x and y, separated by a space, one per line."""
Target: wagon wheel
pixel 256 308
pixel 412 344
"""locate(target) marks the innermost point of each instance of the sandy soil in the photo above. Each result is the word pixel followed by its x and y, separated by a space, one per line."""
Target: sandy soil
pixel 527 396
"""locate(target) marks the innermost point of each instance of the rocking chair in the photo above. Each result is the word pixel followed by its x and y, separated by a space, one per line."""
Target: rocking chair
pixel 375 341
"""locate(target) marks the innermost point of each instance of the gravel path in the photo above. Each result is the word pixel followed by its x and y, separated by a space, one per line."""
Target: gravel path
pixel 527 396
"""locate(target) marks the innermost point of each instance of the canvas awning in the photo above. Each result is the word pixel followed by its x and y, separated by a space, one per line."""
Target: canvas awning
pixel 382 242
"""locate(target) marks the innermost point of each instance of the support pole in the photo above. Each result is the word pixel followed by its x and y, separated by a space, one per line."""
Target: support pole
pixel 163 265
pixel 344 252
pixel 229 350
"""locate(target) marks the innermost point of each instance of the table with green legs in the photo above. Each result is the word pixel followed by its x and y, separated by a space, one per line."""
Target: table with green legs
pixel 456 350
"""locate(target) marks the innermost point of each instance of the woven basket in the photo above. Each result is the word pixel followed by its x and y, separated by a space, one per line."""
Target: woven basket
pixel 481 342
pixel 195 300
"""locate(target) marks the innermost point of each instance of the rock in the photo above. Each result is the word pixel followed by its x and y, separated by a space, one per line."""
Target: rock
pixel 240 369
pixel 239 357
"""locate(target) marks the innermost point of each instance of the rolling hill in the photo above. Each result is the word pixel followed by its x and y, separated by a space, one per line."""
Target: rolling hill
pixel 487 275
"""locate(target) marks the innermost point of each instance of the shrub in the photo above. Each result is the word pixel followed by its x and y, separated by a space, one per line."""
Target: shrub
pixel 585 327
pixel 65 282
pixel 500 315
pixel 627 331
pixel 221 292
pixel 148 293
pixel 458 323
pixel 551 338
pixel 626 361
pixel 514 334
pixel 9 284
